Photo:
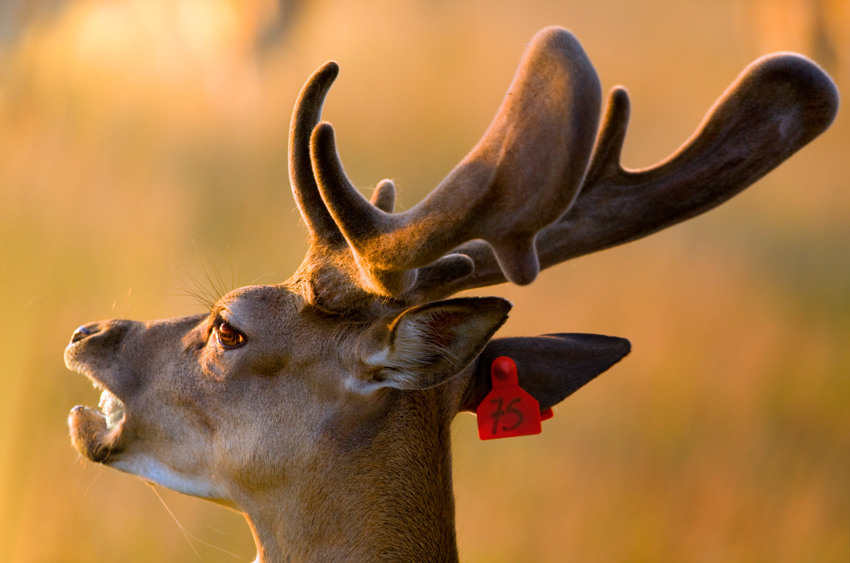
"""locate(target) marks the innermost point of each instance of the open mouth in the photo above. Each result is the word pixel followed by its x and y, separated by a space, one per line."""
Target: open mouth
pixel 112 409
pixel 95 433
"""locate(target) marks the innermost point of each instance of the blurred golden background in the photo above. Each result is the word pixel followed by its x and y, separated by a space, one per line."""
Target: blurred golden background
pixel 143 142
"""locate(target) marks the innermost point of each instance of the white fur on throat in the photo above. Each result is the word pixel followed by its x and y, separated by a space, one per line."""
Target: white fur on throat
pixel 149 468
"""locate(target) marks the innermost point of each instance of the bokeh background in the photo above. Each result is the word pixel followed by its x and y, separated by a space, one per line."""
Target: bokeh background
pixel 142 147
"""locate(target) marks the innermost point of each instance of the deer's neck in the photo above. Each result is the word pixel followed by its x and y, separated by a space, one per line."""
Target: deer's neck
pixel 384 494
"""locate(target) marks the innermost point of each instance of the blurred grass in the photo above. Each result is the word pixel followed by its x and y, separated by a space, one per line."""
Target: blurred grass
pixel 140 138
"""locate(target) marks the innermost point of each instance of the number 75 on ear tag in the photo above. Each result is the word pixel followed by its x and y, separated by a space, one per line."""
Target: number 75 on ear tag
pixel 508 410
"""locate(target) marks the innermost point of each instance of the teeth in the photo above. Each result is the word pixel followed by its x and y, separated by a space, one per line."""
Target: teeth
pixel 112 407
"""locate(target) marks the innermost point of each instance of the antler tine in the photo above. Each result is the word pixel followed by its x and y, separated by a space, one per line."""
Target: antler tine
pixel 776 106
pixel 384 196
pixel 308 109
pixel 522 175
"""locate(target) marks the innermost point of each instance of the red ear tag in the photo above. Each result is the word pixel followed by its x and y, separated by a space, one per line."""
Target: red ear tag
pixel 508 410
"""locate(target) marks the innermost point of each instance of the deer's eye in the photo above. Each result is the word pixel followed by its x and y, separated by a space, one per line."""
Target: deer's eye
pixel 228 336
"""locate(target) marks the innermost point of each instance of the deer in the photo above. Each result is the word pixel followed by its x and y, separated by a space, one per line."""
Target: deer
pixel 321 407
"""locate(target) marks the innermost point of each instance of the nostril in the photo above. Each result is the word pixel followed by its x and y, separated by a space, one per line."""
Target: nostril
pixel 84 332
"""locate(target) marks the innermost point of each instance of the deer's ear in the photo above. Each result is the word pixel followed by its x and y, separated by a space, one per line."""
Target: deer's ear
pixel 550 367
pixel 427 345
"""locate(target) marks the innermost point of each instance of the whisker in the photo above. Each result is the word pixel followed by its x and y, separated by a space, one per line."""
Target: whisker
pixel 255 280
pixel 127 304
pixel 222 532
pixel 96 478
pixel 188 535
pixel 206 290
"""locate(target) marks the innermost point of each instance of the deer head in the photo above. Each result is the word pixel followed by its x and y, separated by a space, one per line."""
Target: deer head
pixel 321 407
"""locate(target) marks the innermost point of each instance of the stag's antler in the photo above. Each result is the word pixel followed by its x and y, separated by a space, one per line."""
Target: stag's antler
pixel 776 106
pixel 529 195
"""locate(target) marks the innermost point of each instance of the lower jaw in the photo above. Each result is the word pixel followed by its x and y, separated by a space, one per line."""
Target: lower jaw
pixel 91 436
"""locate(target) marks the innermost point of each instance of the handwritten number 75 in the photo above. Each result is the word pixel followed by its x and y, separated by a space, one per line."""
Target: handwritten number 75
pixel 500 412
